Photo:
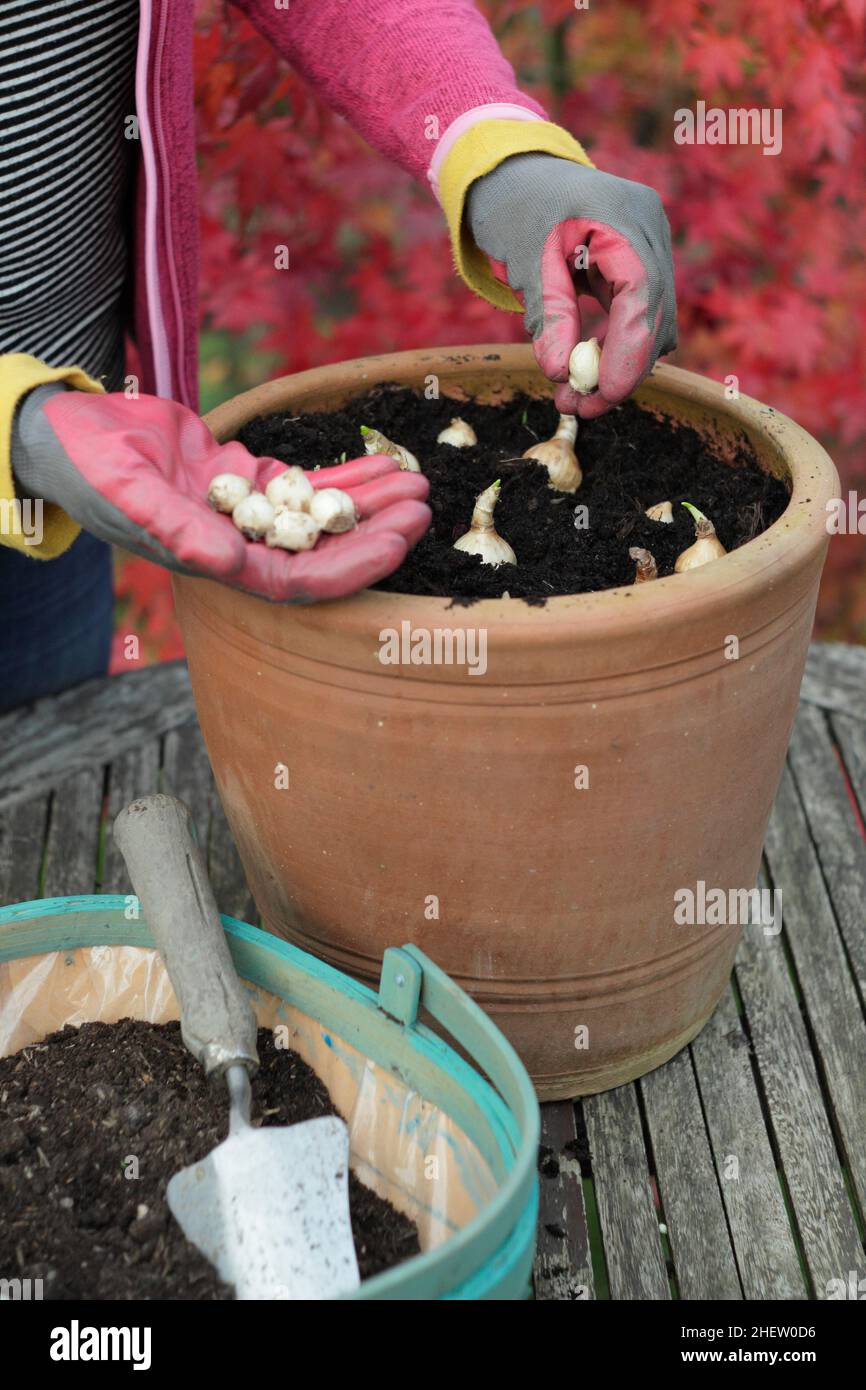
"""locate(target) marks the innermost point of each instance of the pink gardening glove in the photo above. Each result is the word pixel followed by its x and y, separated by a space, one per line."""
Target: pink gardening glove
pixel 530 215
pixel 136 473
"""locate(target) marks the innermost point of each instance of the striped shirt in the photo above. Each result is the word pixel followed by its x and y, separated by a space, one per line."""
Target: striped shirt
pixel 67 146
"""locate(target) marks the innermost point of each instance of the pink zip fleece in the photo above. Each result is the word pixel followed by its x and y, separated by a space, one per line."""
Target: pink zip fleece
pixel 388 66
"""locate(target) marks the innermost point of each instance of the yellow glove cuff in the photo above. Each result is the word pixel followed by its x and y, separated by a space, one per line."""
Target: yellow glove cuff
pixel 20 373
pixel 473 154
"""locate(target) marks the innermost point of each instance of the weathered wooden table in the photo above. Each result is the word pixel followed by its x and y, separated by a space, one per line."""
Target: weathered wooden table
pixel 738 1170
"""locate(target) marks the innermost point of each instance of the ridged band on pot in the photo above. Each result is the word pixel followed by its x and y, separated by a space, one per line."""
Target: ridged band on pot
pixel 448 808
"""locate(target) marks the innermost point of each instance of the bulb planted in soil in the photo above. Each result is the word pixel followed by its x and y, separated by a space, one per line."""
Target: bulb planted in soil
pixel 482 538
pixel 629 458
pixel 662 511
pixel 377 443
pixel 558 457
pixel 707 546
pixel 458 434
pixel 645 564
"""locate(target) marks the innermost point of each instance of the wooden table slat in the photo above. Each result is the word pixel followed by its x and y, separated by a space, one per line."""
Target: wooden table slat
pixel 841 849
pixel 835 678
pixel 186 773
pixel 764 1242
pixel 22 842
pixel 133 774
pixel 89 726
pixel 630 1231
pixel 691 1200
pixel 563 1266
pixel 72 850
pixel 850 735
pixel 796 1106
pixel 831 998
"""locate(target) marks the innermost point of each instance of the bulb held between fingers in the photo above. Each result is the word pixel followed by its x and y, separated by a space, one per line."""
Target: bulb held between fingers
pixel 583 366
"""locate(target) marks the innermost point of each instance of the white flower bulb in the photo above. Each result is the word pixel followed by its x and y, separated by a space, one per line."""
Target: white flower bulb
pixel 377 443
pixel 662 511
pixel 254 515
pixel 482 538
pixel 291 489
pixel 226 490
pixel 333 510
pixel 583 366
pixel 558 457
pixel 707 547
pixel 458 434
pixel 292 531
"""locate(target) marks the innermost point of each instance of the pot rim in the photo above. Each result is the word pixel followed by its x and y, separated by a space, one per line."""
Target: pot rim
pixel 785 548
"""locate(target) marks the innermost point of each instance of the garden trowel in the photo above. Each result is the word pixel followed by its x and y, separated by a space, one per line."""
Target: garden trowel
pixel 268 1207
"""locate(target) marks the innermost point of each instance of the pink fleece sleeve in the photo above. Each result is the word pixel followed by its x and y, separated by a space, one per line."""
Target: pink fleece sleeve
pixel 400 71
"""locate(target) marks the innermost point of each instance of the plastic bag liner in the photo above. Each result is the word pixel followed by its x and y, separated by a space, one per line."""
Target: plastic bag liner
pixel 403 1147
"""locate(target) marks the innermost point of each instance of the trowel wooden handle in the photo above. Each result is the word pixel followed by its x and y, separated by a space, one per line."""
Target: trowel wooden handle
pixel 155 837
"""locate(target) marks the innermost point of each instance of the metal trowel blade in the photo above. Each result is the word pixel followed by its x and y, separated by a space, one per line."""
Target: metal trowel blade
pixel 270 1209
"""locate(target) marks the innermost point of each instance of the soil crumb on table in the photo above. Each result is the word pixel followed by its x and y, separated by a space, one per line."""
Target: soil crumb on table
pixel 79 1110
pixel 630 460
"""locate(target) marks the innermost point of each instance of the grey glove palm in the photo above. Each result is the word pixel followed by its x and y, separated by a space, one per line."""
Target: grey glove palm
pixel 555 230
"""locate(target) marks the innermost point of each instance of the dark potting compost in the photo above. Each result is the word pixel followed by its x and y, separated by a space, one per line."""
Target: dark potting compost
pixel 87 1106
pixel 630 460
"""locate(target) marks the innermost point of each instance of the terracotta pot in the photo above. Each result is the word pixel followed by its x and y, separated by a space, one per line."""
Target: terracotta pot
pixel 429 805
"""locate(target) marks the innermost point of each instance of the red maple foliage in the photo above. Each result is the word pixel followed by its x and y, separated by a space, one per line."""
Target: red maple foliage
pixel 771 275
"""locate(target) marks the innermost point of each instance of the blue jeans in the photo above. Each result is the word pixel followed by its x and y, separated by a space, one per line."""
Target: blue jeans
pixel 56 620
